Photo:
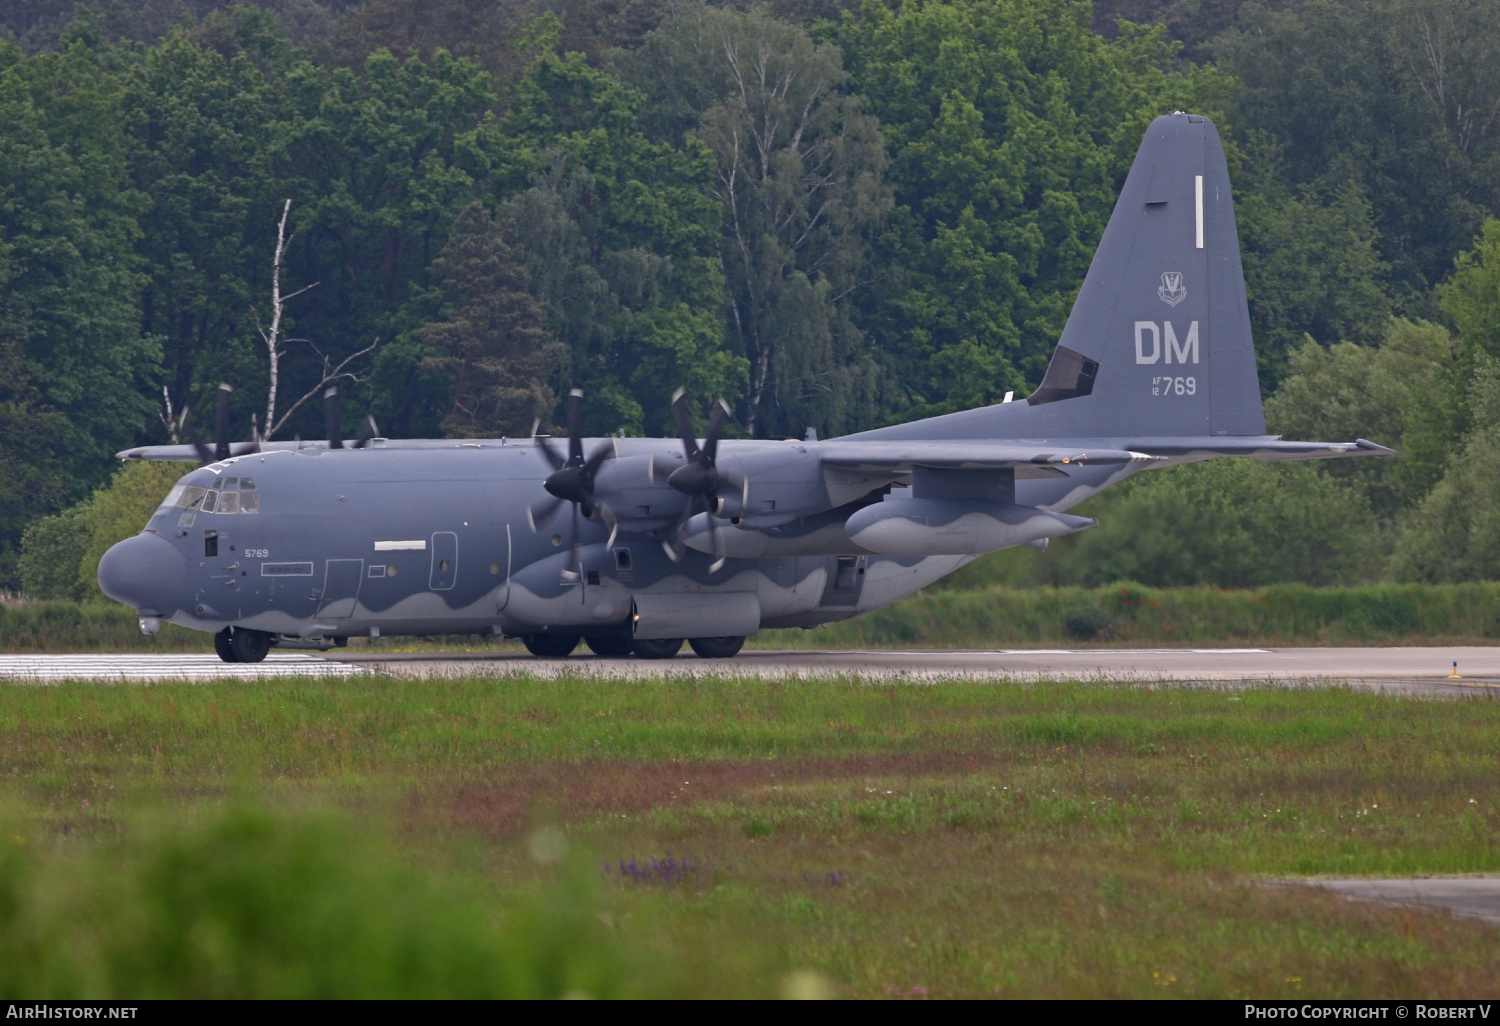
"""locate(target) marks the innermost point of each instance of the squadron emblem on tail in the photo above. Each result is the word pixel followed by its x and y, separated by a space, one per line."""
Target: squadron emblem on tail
pixel 1171 289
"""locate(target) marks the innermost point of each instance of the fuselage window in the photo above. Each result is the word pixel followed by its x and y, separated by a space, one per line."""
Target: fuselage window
pixel 249 497
pixel 229 502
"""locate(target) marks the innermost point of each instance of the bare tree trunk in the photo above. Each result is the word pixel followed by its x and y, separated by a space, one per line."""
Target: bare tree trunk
pixel 172 422
pixel 272 336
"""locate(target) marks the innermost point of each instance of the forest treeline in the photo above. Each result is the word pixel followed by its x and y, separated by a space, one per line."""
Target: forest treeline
pixel 835 214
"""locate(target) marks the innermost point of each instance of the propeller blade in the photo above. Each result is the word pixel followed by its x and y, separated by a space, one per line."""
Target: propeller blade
pixel 575 566
pixel 716 419
pixel 205 454
pixel 575 426
pixel 331 424
pixel 597 458
pixel 721 551
pixel 541 512
pixel 673 544
pixel 221 423
pixel 684 423
pixel 366 433
pixel 553 458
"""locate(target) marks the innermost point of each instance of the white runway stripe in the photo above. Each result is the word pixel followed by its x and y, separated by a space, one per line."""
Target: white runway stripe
pixel 39 668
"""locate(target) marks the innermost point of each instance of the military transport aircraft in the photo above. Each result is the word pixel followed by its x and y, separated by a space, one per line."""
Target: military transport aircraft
pixel 634 545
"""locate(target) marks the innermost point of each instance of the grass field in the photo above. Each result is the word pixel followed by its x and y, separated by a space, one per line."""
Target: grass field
pixel 734 837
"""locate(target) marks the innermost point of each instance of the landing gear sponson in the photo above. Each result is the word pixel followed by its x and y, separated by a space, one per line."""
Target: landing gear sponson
pixel 614 646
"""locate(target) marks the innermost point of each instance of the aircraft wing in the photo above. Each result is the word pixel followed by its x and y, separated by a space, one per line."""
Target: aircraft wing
pixel 1032 459
pixel 1045 459
pixel 1188 449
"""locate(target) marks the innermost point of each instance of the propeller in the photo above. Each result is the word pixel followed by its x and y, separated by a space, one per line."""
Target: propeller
pixel 222 448
pixel 572 480
pixel 701 479
pixel 333 423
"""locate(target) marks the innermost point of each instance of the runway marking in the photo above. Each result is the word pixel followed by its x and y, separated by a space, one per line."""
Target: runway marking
pixel 1130 651
pixel 38 669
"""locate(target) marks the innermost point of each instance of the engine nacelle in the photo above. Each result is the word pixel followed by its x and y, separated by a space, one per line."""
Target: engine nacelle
pixel 954 527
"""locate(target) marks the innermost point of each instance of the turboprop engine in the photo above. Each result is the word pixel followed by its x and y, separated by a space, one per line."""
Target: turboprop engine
pixel 954 527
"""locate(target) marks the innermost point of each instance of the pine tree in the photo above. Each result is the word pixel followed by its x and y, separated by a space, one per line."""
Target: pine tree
pixel 491 344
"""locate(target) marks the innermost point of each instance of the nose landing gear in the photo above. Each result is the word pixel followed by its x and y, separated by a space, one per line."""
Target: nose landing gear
pixel 242 645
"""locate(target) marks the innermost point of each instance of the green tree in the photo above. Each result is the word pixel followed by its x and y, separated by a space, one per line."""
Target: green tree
pixel 1229 523
pixel 1471 295
pixel 619 234
pixel 203 129
pixel 1010 127
pixel 68 221
pixel 1311 256
pixel 491 345
pixel 1408 393
pixel 797 175
pixel 378 165
pixel 1396 97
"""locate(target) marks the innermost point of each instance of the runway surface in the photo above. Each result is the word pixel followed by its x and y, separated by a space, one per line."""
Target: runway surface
pixel 1467 896
pixel 1399 670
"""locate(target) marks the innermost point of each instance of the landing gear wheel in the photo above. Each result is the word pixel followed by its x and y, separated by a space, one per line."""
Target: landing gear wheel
pixel 249 646
pixel 656 648
pixel 222 646
pixel 550 646
pixel 717 648
pixel 611 646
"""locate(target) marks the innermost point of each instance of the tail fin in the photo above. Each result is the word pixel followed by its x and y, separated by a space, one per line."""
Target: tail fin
pixel 1158 342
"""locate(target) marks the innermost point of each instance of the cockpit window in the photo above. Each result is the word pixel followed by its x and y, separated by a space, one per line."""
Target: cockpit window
pixel 224 496
pixel 170 502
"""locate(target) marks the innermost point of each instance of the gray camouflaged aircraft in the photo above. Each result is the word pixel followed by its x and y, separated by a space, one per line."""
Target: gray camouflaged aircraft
pixel 634 545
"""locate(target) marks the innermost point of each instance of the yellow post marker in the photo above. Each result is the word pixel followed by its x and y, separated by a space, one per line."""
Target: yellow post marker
pixel 1454 675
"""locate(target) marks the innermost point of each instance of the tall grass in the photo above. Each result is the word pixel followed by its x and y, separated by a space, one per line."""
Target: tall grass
pixel 1130 614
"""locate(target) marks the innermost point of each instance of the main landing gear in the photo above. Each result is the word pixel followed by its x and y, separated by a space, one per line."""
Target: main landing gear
pixel 616 646
pixel 242 645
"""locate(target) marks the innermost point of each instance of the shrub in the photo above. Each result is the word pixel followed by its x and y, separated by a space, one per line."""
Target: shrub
pixel 251 905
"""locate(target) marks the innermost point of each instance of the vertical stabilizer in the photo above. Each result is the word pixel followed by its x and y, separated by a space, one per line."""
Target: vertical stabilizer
pixel 1158 342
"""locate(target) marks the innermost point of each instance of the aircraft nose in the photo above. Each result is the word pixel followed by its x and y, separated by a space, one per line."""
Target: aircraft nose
pixel 144 572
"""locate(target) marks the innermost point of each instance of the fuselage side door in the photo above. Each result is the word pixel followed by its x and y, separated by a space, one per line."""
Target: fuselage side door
pixel 341 582
pixel 846 579
pixel 444 561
